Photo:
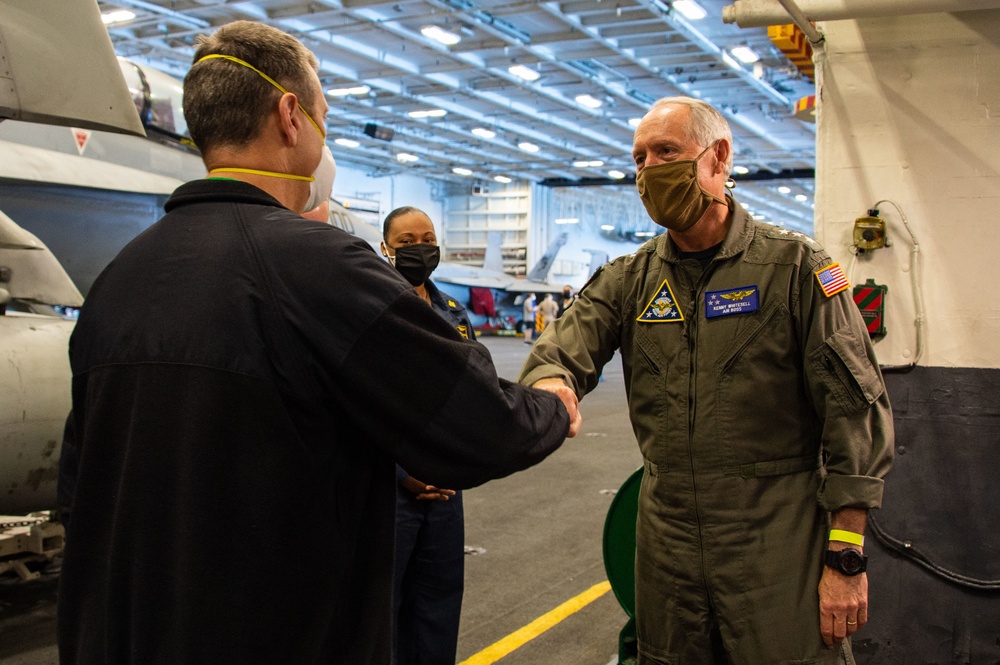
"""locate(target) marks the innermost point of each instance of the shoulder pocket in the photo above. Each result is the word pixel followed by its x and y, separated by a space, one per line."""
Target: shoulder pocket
pixel 847 372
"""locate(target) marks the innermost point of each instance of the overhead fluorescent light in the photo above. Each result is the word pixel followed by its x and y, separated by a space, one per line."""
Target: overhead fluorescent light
pixel 745 54
pixel 347 143
pixel 482 132
pixel 345 92
pixel 586 164
pixel 118 16
pixel 524 72
pixel 616 174
pixel 741 170
pixel 528 147
pixel 785 190
pixel 568 220
pixel 589 101
pixel 460 171
pixel 440 35
pixel 645 234
pixel 406 157
pixel 690 9
pixel 502 178
pixel 730 61
pixel 801 197
pixel 634 122
pixel 431 113
pixel 607 227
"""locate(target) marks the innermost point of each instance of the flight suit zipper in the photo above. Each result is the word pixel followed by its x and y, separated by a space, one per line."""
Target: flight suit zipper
pixel 696 295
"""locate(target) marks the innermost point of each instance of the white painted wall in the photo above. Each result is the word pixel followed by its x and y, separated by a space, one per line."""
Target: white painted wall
pixel 388 193
pixel 910 111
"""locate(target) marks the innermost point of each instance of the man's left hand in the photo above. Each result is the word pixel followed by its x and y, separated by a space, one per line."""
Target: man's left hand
pixel 843 605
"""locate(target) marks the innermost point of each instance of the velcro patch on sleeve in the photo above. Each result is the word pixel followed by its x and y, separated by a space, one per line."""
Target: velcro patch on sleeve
pixel 832 279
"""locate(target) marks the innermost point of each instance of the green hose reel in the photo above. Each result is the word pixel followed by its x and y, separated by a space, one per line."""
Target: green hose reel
pixel 619 559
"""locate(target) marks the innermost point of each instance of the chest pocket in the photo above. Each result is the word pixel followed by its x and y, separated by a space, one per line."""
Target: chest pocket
pixel 750 333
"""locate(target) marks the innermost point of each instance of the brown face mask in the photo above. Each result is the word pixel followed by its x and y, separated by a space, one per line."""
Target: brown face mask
pixel 672 194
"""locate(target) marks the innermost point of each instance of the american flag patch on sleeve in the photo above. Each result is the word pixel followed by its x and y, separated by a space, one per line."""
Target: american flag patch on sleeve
pixel 832 279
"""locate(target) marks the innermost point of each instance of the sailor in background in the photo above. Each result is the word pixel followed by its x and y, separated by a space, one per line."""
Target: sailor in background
pixel 430 526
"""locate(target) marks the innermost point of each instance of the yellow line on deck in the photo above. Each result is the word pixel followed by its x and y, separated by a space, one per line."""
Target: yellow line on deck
pixel 519 638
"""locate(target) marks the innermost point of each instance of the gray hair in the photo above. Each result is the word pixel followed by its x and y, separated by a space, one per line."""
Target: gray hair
pixel 707 125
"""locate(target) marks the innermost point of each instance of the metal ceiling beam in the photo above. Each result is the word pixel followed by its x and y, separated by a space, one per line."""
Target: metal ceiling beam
pixel 509 105
pixel 678 88
pixel 752 13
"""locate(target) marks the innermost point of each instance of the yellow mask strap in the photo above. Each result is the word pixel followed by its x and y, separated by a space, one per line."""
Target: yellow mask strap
pixel 266 78
pixel 272 174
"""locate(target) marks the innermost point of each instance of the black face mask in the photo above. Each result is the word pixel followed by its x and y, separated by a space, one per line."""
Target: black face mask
pixel 416 262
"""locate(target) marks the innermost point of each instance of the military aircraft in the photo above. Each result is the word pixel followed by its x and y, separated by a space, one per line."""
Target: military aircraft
pixel 71 79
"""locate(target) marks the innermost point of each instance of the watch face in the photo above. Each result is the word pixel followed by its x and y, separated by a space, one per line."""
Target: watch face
pixel 851 562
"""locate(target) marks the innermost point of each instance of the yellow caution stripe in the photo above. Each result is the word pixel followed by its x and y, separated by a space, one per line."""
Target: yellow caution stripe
pixel 522 636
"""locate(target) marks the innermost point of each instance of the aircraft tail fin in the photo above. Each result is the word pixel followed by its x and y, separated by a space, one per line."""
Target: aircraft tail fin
pixel 493 259
pixel 598 257
pixel 540 271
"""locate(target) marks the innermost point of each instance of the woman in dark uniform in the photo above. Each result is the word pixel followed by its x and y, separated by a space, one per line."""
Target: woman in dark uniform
pixel 430 526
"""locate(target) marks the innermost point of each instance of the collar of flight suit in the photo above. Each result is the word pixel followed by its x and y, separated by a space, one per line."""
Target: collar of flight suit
pixel 218 190
pixel 737 238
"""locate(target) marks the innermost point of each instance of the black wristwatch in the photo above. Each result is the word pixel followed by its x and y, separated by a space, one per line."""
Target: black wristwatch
pixel 848 561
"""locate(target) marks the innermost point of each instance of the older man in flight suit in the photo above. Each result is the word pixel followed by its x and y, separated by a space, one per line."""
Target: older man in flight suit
pixel 758 405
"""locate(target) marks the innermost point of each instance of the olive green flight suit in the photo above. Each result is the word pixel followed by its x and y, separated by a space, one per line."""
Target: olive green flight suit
pixel 753 424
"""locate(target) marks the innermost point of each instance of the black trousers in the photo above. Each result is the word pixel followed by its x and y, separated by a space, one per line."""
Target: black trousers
pixel 430 570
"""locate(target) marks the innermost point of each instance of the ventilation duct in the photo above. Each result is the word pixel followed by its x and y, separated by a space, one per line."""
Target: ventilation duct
pixel 755 13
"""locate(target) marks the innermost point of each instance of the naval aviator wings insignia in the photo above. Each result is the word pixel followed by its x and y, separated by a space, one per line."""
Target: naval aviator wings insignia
pixel 663 308
pixel 740 300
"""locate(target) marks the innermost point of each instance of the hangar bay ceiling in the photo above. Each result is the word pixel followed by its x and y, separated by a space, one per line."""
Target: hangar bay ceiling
pixel 493 89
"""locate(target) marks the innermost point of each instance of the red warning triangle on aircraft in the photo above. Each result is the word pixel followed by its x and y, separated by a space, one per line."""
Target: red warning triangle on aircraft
pixel 81 136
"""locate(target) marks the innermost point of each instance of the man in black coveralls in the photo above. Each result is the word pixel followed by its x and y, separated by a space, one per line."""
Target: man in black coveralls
pixel 244 381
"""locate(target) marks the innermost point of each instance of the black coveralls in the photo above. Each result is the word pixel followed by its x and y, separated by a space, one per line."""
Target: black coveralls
pixel 237 415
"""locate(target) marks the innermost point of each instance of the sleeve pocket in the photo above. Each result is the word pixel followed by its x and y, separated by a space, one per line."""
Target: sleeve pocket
pixel 847 371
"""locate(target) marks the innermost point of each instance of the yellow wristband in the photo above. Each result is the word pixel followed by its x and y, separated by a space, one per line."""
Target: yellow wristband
pixel 847 537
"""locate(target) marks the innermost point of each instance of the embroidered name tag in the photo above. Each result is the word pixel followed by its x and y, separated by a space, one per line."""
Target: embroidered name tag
pixel 662 308
pixel 832 279
pixel 731 301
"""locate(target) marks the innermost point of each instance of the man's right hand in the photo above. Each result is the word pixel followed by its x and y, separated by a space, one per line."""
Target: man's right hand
pixel 559 388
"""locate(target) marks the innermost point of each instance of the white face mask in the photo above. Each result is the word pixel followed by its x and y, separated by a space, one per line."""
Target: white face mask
pixel 321 186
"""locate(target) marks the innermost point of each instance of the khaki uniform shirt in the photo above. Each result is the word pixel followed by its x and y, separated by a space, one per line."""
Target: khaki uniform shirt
pixel 758 406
